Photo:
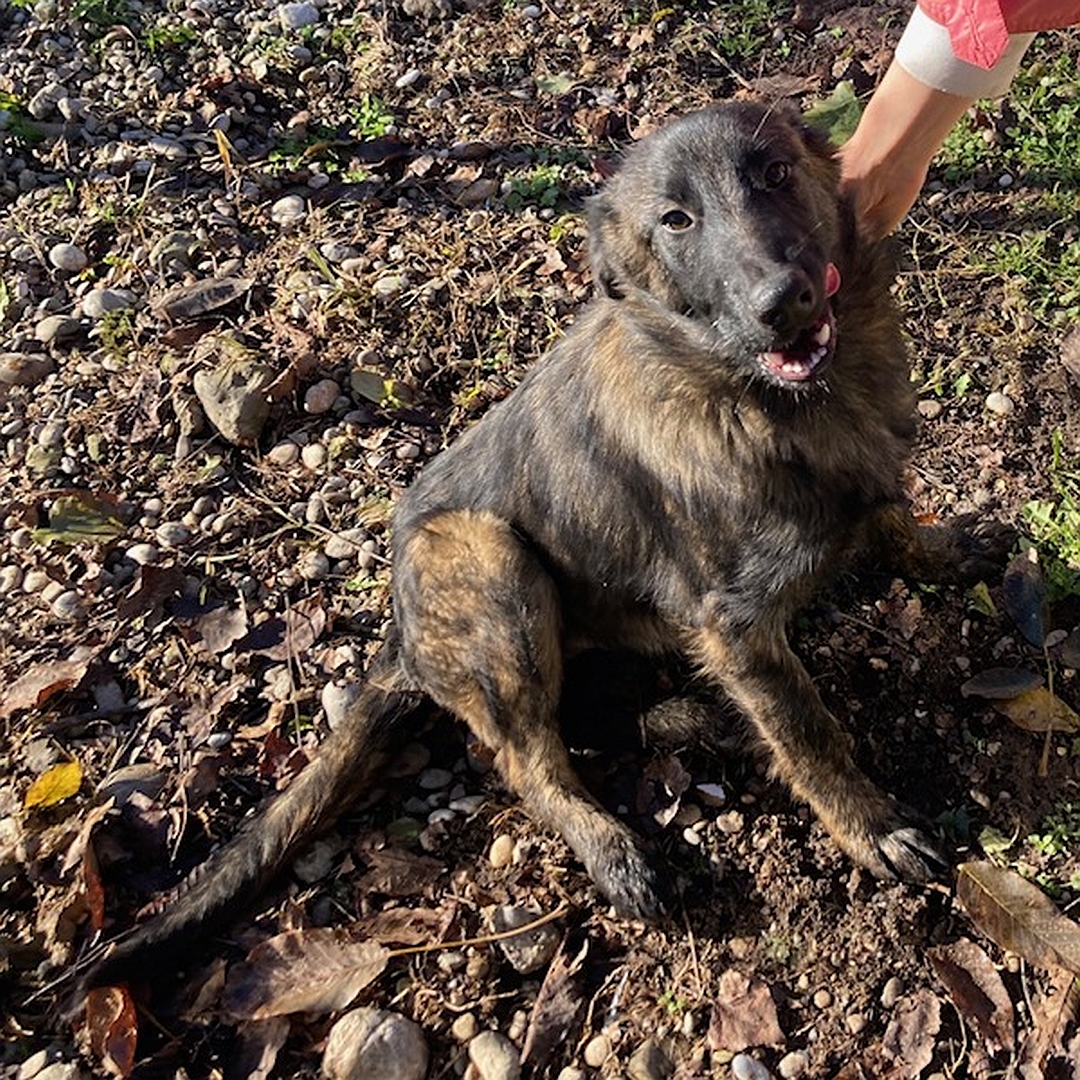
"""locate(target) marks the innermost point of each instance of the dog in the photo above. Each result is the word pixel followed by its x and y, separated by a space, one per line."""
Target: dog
pixel 724 424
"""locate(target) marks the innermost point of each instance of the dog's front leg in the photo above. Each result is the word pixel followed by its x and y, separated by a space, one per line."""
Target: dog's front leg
pixel 811 752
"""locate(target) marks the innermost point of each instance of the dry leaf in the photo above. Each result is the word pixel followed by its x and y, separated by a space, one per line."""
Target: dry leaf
pixel 1052 1013
pixel 1000 684
pixel 1039 710
pixel 32 689
pixel 394 872
pixel 977 992
pixel 406 926
pixel 155 585
pixel 663 783
pixel 183 302
pixel 314 971
pixel 743 1015
pixel 113 1028
pixel 53 786
pixel 1018 916
pixel 557 1007
pixel 221 627
pixel 80 517
pixel 910 1037
pixel 259 1043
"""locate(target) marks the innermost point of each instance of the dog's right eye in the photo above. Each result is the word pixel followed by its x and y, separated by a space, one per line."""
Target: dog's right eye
pixel 676 221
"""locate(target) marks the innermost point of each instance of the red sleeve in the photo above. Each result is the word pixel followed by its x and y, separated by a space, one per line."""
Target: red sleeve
pixel 979 29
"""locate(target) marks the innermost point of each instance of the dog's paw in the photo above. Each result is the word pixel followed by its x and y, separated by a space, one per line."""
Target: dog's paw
pixel 907 854
pixel 982 546
pixel 627 878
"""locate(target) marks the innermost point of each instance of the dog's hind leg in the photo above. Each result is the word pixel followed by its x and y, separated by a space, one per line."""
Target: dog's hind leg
pixel 480 622
pixel 812 753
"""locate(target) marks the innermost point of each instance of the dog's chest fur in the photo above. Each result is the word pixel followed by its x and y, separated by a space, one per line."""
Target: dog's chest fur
pixel 646 477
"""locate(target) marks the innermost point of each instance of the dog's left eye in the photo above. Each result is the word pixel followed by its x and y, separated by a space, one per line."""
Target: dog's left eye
pixel 676 220
pixel 776 174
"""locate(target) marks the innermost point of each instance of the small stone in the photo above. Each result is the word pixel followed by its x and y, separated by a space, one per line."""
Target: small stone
pixel 822 999
pixel 495 1056
pixel 321 396
pixel 336 252
pixel 999 403
pixel 929 409
pixel 744 1067
pixel 57 329
pixel 571 1072
pixel 24 369
pixel 435 779
pixel 388 285
pixel 597 1051
pixel 367 1042
pixel 283 453
pixel 68 257
pixel 99 302
pixel 288 210
pixel 892 991
pixel 464 1028
pixel 143 554
pixel 314 566
pixel 792 1066
pixel 501 852
pixel 313 456
pixel 316 861
pixel 172 534
pixel 467 804
pixel 68 606
pixel 649 1062
pixel 530 11
pixel 532 950
pixel 855 1023
pixel 11 578
pixel 337 699
pixel 345 545
pixel 34 581
pixel 413 75
pixel 298 15
pixel 452 961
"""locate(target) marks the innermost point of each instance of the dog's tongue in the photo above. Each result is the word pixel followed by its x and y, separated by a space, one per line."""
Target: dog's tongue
pixel 832 280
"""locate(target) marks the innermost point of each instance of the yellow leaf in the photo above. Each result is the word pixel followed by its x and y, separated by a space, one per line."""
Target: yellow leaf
pixel 1039 710
pixel 58 783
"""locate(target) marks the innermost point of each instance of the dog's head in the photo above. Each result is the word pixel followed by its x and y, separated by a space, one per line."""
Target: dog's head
pixel 730 216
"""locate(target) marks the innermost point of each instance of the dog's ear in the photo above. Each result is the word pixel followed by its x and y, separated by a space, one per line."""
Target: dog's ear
pixel 603 221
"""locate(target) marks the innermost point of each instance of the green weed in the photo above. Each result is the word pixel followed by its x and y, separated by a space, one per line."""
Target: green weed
pixel 165 38
pixel 540 186
pixel 1059 831
pixel 101 14
pixel 1046 269
pixel 1055 526
pixel 370 117
pixel 116 331
pixel 745 28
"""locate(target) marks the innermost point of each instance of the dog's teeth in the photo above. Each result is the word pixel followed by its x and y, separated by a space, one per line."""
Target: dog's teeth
pixel 823 333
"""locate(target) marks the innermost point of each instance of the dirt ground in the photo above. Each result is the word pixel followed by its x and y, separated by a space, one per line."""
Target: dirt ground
pixel 189 687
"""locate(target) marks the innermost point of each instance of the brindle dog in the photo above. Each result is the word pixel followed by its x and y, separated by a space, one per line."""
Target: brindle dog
pixel 725 423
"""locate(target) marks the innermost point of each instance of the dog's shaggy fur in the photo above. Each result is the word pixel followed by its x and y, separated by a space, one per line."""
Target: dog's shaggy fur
pixel 721 426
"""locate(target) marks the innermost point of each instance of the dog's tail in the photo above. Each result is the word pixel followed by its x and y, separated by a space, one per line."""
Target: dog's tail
pixel 347 766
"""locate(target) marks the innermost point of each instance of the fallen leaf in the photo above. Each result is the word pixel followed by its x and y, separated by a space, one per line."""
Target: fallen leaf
pixel 1051 1016
pixel 1000 684
pixel 743 1015
pixel 406 926
pixel 311 971
pixel 556 85
pixel 1023 593
pixel 838 114
pixel 663 783
pixel 58 783
pixel 977 992
pixel 221 627
pixel 185 302
pixel 910 1037
pixel 80 517
pixel 395 872
pixel 113 1028
pixel 289 636
pixel 259 1044
pixel 557 1006
pixel 36 686
pixel 1018 916
pixel 154 585
pixel 1039 710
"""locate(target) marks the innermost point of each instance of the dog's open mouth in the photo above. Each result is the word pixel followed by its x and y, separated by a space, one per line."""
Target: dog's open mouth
pixel 811 351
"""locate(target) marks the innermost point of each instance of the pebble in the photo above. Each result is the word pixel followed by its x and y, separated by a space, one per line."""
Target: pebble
pixel 822 999
pixel 368 1042
pixel 495 1056
pixel 321 396
pixel 388 285
pixel 344 545
pixel 57 329
pixel 283 453
pixel 792 1066
pixel 313 456
pixel 406 80
pixel 288 210
pixel 435 779
pixel 892 991
pixel 24 369
pixel 501 852
pixel 68 606
pixel 99 302
pixel 929 409
pixel 34 581
pixel 337 699
pixel 172 534
pixel 855 1023
pixel 68 257
pixel 11 578
pixel 597 1051
pixel 298 15
pixel 649 1062
pixel 744 1067
pixel 143 554
pixel 999 403
pixel 530 951
pixel 464 1027
pixel 571 1072
pixel 314 566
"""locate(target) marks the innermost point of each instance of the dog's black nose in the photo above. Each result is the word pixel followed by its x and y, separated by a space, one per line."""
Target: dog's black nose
pixel 785 301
